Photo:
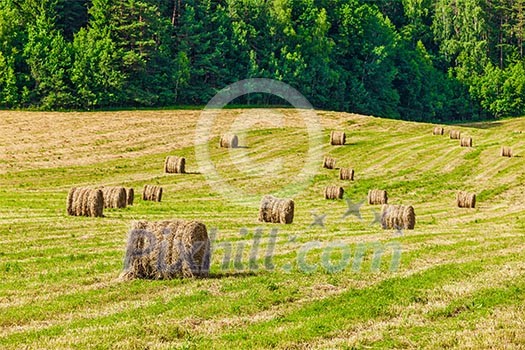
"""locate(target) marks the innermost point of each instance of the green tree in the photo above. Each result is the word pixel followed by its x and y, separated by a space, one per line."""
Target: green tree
pixel 13 69
pixel 48 56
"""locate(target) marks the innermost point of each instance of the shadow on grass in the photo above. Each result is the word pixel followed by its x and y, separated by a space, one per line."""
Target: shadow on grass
pixel 481 125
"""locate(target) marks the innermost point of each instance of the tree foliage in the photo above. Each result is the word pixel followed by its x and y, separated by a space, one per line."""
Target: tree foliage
pixel 413 59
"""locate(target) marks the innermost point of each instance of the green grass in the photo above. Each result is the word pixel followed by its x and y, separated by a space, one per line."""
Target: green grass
pixel 459 282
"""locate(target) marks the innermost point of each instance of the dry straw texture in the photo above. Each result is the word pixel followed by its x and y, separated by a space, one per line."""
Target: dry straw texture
pixel 455 134
pixel 329 163
pixel 334 192
pixel 114 197
pixel 229 141
pixel 152 193
pixel 130 196
pixel 377 197
pixel 398 217
pixel 166 250
pixel 438 131
pixel 465 199
pixel 337 138
pixel 83 201
pixel 506 151
pixel 175 165
pixel 466 142
pixel 276 210
pixel 346 174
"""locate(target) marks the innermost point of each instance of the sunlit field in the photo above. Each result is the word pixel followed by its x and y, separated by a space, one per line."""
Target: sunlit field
pixel 456 281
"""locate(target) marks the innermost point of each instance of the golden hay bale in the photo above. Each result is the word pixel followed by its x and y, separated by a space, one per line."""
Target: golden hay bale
pixel 84 201
pixel 377 197
pixel 114 197
pixel 337 138
pixel 465 199
pixel 455 134
pixel 166 250
pixel 175 165
pixel 334 192
pixel 276 210
pixel 152 193
pixel 346 174
pixel 329 163
pixel 466 142
pixel 398 217
pixel 506 151
pixel 229 141
pixel 438 131
pixel 130 196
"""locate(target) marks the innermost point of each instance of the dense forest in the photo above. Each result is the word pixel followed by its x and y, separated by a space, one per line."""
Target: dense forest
pixel 413 59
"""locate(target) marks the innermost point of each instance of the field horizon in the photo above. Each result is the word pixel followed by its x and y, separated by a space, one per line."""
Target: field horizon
pixel 332 279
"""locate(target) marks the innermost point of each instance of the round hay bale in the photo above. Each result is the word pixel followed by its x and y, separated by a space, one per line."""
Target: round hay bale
pixel 334 192
pixel 376 197
pixel 175 165
pixel 337 138
pixel 465 199
pixel 398 217
pixel 346 174
pixel 229 141
pixel 152 193
pixel 84 201
pixel 438 131
pixel 329 163
pixel 455 134
pixel 166 250
pixel 115 197
pixel 409 218
pixel 130 196
pixel 276 210
pixel 466 142
pixel 506 151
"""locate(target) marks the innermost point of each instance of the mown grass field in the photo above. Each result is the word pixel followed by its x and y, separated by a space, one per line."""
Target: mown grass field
pixel 460 282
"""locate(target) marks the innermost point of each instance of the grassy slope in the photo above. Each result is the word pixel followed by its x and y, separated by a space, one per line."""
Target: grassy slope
pixel 460 282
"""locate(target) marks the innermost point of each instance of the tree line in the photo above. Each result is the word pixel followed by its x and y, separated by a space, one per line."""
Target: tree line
pixel 431 60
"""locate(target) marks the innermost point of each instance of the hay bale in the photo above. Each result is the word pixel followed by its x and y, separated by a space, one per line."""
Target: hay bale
pixel 130 196
pixel 398 217
pixel 506 151
pixel 377 197
pixel 438 131
pixel 229 141
pixel 329 163
pixel 337 138
pixel 455 134
pixel 152 193
pixel 466 142
pixel 114 197
pixel 346 174
pixel 175 165
pixel 334 192
pixel 465 199
pixel 84 201
pixel 276 210
pixel 166 250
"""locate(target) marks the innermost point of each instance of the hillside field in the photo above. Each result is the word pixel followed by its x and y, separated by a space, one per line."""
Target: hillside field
pixel 459 283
